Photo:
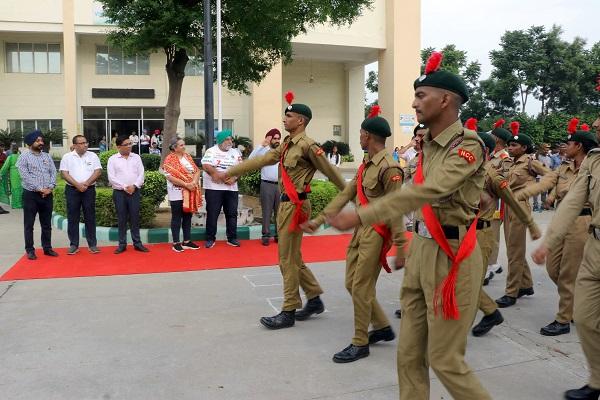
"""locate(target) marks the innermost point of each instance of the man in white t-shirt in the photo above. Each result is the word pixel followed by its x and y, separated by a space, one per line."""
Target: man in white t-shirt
pixel 220 158
pixel 135 142
pixel 144 142
pixel 81 168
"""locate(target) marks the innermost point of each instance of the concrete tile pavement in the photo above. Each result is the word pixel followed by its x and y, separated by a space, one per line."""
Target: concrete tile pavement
pixel 196 335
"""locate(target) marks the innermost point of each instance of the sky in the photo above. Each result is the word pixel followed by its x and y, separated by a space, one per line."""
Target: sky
pixel 476 26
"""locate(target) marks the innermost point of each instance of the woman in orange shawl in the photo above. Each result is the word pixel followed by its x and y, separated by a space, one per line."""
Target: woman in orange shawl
pixel 183 191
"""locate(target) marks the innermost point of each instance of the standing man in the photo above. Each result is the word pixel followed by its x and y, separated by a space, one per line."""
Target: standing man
pixel 440 290
pixel 378 174
pixel 38 178
pixel 269 184
pixel 135 142
pixel 299 157
pixel 144 142
pixel 221 195
pixel 126 176
pixel 81 168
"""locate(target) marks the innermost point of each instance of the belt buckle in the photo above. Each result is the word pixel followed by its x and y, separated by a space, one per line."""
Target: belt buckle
pixel 422 230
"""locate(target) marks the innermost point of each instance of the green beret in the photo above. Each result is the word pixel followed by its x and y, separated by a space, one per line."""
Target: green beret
pixel 301 109
pixel 502 134
pixel 523 139
pixel 444 80
pixel 377 126
pixel 488 140
pixel 584 137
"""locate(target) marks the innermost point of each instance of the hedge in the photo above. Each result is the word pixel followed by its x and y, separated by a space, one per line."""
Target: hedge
pixel 151 162
pixel 322 192
pixel 249 184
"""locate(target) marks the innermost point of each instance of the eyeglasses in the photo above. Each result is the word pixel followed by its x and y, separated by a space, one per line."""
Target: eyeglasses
pixel 82 143
pixel 125 144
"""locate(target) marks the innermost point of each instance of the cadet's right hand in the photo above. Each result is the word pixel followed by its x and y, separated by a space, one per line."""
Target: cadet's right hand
pixel 309 226
pixel 344 220
pixel 534 231
pixel 399 263
pixel 539 255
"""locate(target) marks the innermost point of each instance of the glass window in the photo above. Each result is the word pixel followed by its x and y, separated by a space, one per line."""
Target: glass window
pixel 94 112
pixel 115 61
pixel 56 123
pixel 25 57
pixel 14 126
pixel 28 125
pixel 194 66
pixel 194 127
pixel 124 113
pixel 43 125
pixel 190 127
pixel 94 131
pixel 12 57
pixel 154 112
pixel 129 65
pixel 143 65
pixel 112 61
pixel 54 58
pixel 40 58
pixel 102 60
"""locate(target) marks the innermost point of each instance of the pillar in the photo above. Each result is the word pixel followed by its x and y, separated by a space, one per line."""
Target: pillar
pixel 70 69
pixel 267 105
pixel 355 89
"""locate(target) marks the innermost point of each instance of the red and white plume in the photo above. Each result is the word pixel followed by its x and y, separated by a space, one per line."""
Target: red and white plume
pixel 471 124
pixel 289 97
pixel 433 62
pixel 514 128
pixel 375 111
pixel 499 123
pixel 572 125
pixel 585 127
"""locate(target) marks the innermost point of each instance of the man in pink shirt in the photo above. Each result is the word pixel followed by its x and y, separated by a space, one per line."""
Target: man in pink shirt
pixel 126 176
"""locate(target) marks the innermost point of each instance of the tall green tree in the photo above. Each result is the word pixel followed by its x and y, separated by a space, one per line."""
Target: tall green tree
pixel 256 35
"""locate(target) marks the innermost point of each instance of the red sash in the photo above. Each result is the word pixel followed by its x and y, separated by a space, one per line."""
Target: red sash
pixel 381 229
pixel 447 288
pixel 299 216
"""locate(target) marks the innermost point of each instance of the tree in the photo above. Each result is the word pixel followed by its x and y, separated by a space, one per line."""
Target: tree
pixel 256 36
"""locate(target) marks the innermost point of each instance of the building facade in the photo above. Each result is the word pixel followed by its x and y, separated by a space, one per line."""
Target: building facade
pixel 57 71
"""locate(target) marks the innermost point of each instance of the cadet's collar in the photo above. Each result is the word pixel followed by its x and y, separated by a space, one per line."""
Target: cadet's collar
pixel 447 134
pixel 571 165
pixel 297 138
pixel 376 158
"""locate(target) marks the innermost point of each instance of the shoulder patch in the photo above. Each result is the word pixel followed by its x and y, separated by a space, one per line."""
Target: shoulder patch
pixel 456 142
pixel 503 155
pixel 504 184
pixel 396 178
pixel 319 151
pixel 467 155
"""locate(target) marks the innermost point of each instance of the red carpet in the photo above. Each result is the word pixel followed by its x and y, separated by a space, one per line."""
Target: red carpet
pixel 162 259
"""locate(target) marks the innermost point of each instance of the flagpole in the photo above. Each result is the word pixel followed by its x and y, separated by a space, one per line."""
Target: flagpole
pixel 219 76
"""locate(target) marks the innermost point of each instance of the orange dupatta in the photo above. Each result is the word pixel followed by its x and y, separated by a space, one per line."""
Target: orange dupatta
pixel 192 200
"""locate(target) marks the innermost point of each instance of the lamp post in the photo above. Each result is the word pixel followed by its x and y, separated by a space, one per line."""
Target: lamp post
pixel 209 123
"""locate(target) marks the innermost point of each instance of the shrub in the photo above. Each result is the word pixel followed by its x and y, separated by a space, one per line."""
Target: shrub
pixel 322 192
pixel 343 148
pixel 249 184
pixel 198 141
pixel 104 156
pixel 151 162
pixel 6 138
pixel 155 187
pixel 348 158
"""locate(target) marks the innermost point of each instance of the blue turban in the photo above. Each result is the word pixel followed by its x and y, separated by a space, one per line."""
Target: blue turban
pixel 32 137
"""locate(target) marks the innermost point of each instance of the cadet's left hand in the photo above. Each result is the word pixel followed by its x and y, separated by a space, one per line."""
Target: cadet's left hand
pixel 344 220
pixel 540 254
pixel 534 231
pixel 399 263
pixel 309 227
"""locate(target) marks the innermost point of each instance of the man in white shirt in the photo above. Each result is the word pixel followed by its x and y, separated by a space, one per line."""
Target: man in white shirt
pixel 144 142
pixel 269 184
pixel 219 158
pixel 135 142
pixel 126 176
pixel 81 168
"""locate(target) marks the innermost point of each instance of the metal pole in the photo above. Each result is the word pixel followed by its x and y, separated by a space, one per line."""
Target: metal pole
pixel 219 79
pixel 209 123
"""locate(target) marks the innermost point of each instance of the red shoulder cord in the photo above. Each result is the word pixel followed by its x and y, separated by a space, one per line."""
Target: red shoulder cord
pixel 299 216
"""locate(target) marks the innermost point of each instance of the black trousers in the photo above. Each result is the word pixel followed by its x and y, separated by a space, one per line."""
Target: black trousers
pixel 269 202
pixel 128 210
pixel 179 220
pixel 33 204
pixel 228 201
pixel 76 201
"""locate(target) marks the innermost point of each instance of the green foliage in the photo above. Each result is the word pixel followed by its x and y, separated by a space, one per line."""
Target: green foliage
pixel 245 142
pixel 343 148
pixel 155 187
pixel 197 141
pixel 151 162
pixel 322 192
pixel 6 138
pixel 372 82
pixel 249 184
pixel 348 158
pixel 104 156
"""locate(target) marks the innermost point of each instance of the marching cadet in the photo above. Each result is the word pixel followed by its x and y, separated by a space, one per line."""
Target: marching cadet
pixel 583 192
pixel 442 280
pixel 299 157
pixel 495 188
pixel 520 175
pixel 378 174
pixel 564 258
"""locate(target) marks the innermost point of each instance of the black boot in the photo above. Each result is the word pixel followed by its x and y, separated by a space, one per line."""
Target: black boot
pixel 525 292
pixel 555 328
pixel 506 301
pixel 398 313
pixel 487 323
pixel 351 353
pixel 585 393
pixel 312 306
pixel 284 319
pixel 386 334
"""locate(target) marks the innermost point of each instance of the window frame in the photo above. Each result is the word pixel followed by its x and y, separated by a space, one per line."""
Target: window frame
pixel 123 59
pixel 49 69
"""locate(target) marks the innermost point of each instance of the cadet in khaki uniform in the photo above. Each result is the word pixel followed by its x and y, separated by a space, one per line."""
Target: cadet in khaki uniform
pixel 436 315
pixel 495 188
pixel 565 258
pixel 379 174
pixel 584 191
pixel 521 175
pixel 299 157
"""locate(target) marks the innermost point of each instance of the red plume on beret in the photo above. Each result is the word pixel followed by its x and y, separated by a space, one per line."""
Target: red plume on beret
pixel 514 127
pixel 375 111
pixel 289 97
pixel 573 125
pixel 585 127
pixel 471 124
pixel 499 123
pixel 598 83
pixel 433 62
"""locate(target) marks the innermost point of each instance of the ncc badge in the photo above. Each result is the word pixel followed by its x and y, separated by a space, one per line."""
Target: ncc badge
pixel 422 78
pixel 467 155
pixel 289 107
pixel 396 178
pixel 319 151
pixel 503 184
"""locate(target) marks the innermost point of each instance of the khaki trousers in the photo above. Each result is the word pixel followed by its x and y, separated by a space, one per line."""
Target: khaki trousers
pixel 496 223
pixel 295 273
pixel 587 308
pixel 426 339
pixel 486 239
pixel 563 265
pixel 519 274
pixel 362 272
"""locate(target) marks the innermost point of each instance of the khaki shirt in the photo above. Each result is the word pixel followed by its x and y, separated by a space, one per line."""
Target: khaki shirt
pixel 453 167
pixel 566 174
pixel 381 175
pixel 522 174
pixel 501 161
pixel 302 159
pixel 585 189
pixel 411 169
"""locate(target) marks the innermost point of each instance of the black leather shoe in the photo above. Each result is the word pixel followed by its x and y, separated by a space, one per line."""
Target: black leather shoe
pixel 487 323
pixel 385 334
pixel 120 249
pixel 506 301
pixel 351 353
pixel 398 313
pixel 265 240
pixel 140 247
pixel 284 319
pixel 525 292
pixel 585 393
pixel 31 255
pixel 50 253
pixel 555 328
pixel 312 306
